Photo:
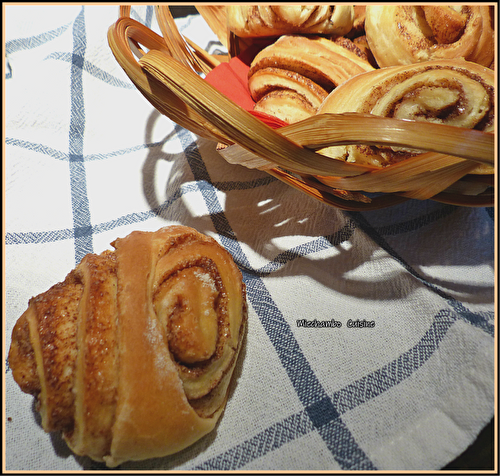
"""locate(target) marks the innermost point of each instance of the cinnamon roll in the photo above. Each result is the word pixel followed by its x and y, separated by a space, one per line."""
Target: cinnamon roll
pixel 453 92
pixel 304 70
pixel 276 20
pixel 408 34
pixel 130 357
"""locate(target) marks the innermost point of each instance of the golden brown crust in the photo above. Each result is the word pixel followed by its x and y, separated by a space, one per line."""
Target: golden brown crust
pixel 276 20
pixel 409 34
pixel 291 78
pixel 453 92
pixel 22 358
pixel 446 24
pixel 319 59
pixel 54 344
pixel 286 105
pixel 358 26
pixel 95 351
pixel 362 43
pixel 96 368
pixel 265 80
pixel 351 46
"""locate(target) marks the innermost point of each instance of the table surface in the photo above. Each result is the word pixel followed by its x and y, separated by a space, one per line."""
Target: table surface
pixel 88 160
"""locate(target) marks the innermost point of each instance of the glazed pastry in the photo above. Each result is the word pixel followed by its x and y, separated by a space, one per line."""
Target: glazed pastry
pixel 299 72
pixel 132 354
pixel 409 34
pixel 276 20
pixel 454 92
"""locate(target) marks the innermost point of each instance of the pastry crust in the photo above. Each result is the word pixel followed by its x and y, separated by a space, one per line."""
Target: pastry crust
pixel 286 105
pixel 290 78
pixel 453 92
pixel 265 80
pixel 321 60
pixel 132 355
pixel 276 20
pixel 408 34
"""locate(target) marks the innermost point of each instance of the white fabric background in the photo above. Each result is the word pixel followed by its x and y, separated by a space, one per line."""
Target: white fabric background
pixel 409 394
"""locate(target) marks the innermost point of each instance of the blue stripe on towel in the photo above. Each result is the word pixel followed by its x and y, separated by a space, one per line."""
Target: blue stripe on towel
pixel 272 438
pixel 63 156
pixel 78 179
pixel 322 413
pixel 317 404
pixel 34 41
pixel 93 70
pixel 479 320
pixel 325 414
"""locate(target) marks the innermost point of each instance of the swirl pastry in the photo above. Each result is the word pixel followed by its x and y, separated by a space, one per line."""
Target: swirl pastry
pixel 276 20
pixel 409 34
pixel 132 354
pixel 292 77
pixel 286 105
pixel 454 92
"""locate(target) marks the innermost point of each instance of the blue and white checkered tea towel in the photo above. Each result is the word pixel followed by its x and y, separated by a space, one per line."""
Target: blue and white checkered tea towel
pixel 371 335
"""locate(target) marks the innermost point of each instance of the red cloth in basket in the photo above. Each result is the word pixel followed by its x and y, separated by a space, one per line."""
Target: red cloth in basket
pixel 231 79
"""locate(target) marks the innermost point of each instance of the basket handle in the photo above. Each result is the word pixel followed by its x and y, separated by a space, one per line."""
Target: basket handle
pixel 239 125
pixel 420 177
pixel 353 128
pixel 126 32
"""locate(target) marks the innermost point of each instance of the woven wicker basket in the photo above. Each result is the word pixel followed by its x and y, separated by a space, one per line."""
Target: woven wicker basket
pixel 165 69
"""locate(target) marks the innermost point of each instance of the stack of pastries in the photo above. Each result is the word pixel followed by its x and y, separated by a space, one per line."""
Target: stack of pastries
pixel 424 63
